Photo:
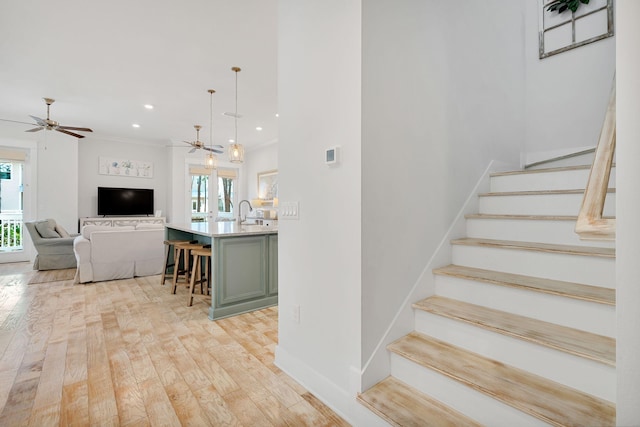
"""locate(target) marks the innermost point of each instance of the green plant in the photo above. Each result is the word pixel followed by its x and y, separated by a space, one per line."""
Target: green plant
pixel 562 5
pixel 11 234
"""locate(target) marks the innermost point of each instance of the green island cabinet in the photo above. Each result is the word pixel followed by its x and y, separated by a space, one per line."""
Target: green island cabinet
pixel 244 264
pixel 245 274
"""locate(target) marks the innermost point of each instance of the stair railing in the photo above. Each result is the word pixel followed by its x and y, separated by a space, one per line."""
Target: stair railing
pixel 590 224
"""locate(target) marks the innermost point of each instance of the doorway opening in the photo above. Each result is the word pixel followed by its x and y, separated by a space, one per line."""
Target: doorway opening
pixel 11 206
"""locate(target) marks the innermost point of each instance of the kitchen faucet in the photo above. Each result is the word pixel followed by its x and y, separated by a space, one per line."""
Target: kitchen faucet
pixel 240 210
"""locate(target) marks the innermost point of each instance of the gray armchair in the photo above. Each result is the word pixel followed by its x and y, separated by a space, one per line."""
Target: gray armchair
pixel 53 244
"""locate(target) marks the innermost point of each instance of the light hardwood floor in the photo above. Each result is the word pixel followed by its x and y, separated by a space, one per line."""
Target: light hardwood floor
pixel 129 353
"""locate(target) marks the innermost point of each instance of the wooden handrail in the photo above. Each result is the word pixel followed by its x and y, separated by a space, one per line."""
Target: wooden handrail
pixel 591 225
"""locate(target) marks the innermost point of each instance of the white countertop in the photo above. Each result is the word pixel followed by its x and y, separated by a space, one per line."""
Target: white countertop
pixel 223 229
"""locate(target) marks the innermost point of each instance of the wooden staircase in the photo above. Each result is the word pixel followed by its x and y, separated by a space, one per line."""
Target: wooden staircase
pixel 521 329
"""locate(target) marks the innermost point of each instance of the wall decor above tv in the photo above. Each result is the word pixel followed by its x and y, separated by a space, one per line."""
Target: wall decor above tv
pixel 125 201
pixel 125 167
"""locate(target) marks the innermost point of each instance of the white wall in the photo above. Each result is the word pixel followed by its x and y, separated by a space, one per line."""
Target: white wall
pixel 264 158
pixel 58 179
pixel 89 152
pixel 440 101
pixel 319 254
pixel 627 208
pixel 566 94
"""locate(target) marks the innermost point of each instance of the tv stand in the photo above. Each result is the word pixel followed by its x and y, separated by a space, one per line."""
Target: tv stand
pixel 121 220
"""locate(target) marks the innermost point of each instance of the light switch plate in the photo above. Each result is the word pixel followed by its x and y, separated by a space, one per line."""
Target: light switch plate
pixel 289 210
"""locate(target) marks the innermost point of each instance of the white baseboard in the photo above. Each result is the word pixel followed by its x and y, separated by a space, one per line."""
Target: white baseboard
pixel 342 402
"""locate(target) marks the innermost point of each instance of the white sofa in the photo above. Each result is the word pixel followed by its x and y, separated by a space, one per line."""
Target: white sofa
pixel 109 253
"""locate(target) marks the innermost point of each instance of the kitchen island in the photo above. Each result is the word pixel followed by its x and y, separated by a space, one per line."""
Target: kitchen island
pixel 244 264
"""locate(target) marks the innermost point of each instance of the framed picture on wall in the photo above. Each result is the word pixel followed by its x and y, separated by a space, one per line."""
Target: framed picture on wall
pixel 125 167
pixel 268 185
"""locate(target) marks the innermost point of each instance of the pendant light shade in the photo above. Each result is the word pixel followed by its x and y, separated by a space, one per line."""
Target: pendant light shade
pixel 236 151
pixel 211 161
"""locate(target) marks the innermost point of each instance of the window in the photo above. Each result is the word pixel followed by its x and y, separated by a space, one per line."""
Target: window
pixel 204 189
pixel 226 192
pixel 560 32
pixel 199 194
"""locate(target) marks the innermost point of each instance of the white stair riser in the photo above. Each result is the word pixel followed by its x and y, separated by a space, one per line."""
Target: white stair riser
pixel 559 180
pixel 577 372
pixel 476 405
pixel 539 204
pixel 584 315
pixel 589 270
pixel 526 230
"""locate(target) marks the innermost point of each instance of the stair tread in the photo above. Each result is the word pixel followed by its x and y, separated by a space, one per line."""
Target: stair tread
pixel 573 341
pixel 537 192
pixel 544 170
pixel 547 400
pixel 595 294
pixel 402 405
pixel 527 217
pixel 561 158
pixel 541 247
pixel 523 217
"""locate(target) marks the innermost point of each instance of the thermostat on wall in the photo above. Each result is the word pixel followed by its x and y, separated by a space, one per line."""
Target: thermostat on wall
pixel 331 155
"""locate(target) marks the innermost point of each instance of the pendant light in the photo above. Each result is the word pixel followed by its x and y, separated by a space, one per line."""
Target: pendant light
pixel 211 161
pixel 236 151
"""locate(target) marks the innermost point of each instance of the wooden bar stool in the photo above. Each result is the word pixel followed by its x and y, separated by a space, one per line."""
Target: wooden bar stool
pixel 197 276
pixel 168 247
pixel 182 250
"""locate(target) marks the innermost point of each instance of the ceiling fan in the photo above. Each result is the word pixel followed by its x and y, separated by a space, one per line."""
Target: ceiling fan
pixel 53 125
pixel 199 145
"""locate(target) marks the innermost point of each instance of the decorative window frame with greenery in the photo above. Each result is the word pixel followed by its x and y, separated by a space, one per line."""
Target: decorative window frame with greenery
pixel 568 24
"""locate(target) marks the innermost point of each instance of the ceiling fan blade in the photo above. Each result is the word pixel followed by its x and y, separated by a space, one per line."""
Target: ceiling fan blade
pixel 192 150
pixel 213 149
pixel 15 121
pixel 35 129
pixel 70 133
pixel 75 128
pixel 39 121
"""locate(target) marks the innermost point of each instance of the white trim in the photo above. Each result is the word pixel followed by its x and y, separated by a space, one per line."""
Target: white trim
pixel 538 156
pixel 30 192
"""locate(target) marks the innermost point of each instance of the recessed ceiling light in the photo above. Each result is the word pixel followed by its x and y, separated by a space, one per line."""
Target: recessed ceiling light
pixel 258 128
pixel 232 141
pixel 135 125
pixel 277 115
pixel 148 106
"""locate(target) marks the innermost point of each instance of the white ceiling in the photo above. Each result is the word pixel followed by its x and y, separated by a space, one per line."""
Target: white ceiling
pixel 103 60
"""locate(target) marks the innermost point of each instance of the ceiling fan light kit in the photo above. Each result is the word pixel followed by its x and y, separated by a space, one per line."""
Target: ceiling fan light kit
pixel 199 145
pixel 48 124
pixel 236 151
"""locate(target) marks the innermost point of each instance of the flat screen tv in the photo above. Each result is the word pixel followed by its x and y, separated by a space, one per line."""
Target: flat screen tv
pixel 125 201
